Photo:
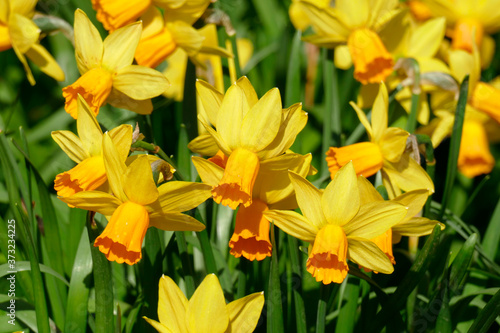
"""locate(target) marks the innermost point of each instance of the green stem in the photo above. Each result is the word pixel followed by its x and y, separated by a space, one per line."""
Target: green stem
pixel 324 293
pixel 206 247
pixel 411 124
pixel 300 312
pixel 187 266
pixel 236 57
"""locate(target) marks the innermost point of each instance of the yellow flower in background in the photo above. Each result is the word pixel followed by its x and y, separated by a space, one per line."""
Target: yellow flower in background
pixel 19 32
pixel 248 131
pixel 272 190
pixel 206 311
pixel 163 34
pixel 86 150
pixel 337 226
pixel 410 225
pixel 137 204
pixel 385 152
pixel 108 75
pixel 468 21
pixel 419 10
pixel 357 24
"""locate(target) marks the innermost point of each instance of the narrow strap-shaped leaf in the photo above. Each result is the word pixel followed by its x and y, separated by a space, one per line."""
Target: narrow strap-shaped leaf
pixel 347 315
pixel 187 266
pixel 25 266
pixel 492 235
pixel 487 315
pixel 456 137
pixel 274 306
pixel 460 266
pixel 206 247
pixel 411 124
pixel 300 311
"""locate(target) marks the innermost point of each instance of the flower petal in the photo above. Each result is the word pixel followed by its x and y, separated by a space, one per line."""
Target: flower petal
pixel 230 117
pixel 244 313
pixel 407 175
pixel 209 172
pixel 172 305
pixel 206 304
pixel 179 196
pixel 47 64
pixel 175 222
pixel 367 254
pixel 88 43
pixel 71 145
pixel 138 182
pixel 157 326
pixel 379 113
pixel 362 118
pixel 122 138
pixel 115 167
pixel 88 128
pixel 216 136
pixel 186 37
pixel 204 145
pixel 309 200
pixel 393 143
pixel 122 101
pixel 367 192
pixel 262 122
pixel 293 224
pixel 340 201
pixel 23 32
pixel 426 39
pixel 119 46
pixel 95 201
pixel 140 82
pixel 374 219
pixel 211 99
pixel 414 200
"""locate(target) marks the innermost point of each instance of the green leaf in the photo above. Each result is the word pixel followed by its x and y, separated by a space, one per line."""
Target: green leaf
pixel 460 266
pixel 274 307
pixel 25 266
pixel 79 288
pixel 492 235
pixel 486 317
pixel 347 315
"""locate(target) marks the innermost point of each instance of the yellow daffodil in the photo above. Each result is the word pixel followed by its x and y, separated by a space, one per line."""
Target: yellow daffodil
pixel 385 151
pixel 86 150
pixel 357 24
pixel 248 131
pixel 482 115
pixel 108 75
pixel 272 190
pixel 137 204
pixel 206 311
pixel 419 10
pixel 164 33
pixel 410 225
pixel 469 20
pixel 337 226
pixel 422 44
pixel 19 32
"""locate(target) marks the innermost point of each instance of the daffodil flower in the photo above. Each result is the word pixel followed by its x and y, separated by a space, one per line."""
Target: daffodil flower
pixel 357 24
pixel 272 190
pixel 18 31
pixel 86 150
pixel 471 23
pixel 137 204
pixel 248 131
pixel 419 10
pixel 410 225
pixel 206 311
pixel 337 226
pixel 108 75
pixel 163 34
pixel 385 151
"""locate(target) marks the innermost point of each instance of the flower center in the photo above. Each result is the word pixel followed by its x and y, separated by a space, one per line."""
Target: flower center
pixel 474 157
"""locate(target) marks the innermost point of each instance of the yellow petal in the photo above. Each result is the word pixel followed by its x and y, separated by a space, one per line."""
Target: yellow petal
pixel 4 11
pixel 342 57
pixel 119 46
pixel 374 219
pixel 325 21
pixel 294 120
pixel 122 101
pixel 95 201
pixel 367 254
pixel 204 144
pixel 293 224
pixel 461 63
pixel 152 22
pixel 175 222
pixel 115 167
pixel 23 32
pixel 172 305
pixel 309 200
pixel 138 183
pixel 71 145
pixel 340 201
pixel 216 136
pixel 88 43
pixel 23 60
pixel 122 138
pixel 230 117
pixel 408 175
pixel 207 304
pixel 140 82
pixel 157 326
pixel 209 172
pixel 262 122
pixel 414 200
pixel 393 143
pixel 186 37
pixel 188 12
pixel 249 91
pixel 23 7
pixel 88 128
pixel 47 64
pixel 362 118
pixel 179 196
pixel 367 192
pixel 379 113
pixel 426 39
pixel 211 100
pixel 244 313
pixel 417 226
pixel 355 13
